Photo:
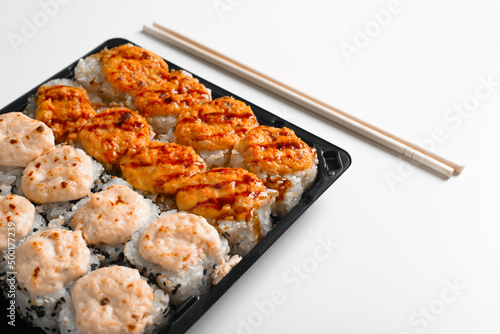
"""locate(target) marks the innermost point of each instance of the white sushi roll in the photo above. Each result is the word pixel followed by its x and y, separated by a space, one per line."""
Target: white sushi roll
pixel 23 139
pixel 179 252
pixel 47 265
pixel 109 219
pixel 112 300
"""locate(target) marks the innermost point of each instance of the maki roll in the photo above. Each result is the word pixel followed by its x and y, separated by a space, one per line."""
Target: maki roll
pixel 162 104
pixel 116 75
pixel 64 108
pixel 113 133
pixel 161 168
pixel 23 139
pixel 281 160
pixel 112 300
pixel 18 219
pixel 63 174
pixel 234 201
pixel 179 252
pixel 109 219
pixel 214 128
pixel 47 264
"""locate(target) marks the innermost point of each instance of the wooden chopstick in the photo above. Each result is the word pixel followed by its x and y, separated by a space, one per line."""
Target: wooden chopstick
pixel 398 145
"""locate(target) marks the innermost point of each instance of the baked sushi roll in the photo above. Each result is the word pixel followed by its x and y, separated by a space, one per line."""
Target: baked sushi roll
pixel 58 180
pixel 113 133
pixel 160 169
pixel 281 160
pixel 214 128
pixel 179 251
pixel 163 104
pixel 110 217
pixel 234 201
pixel 23 139
pixel 18 219
pixel 117 74
pixel 114 300
pixel 47 264
pixel 65 108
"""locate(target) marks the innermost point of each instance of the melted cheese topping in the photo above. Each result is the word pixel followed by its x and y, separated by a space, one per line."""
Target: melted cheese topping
pixel 131 69
pixel 179 241
pixel 50 259
pixel 276 151
pixel 161 167
pixel 113 133
pixel 16 219
pixel 22 139
pixel 64 109
pixel 216 125
pixel 181 92
pixel 112 300
pixel 63 174
pixel 111 216
pixel 222 193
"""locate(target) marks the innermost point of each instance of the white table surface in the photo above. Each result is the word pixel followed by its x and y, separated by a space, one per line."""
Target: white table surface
pixel 412 253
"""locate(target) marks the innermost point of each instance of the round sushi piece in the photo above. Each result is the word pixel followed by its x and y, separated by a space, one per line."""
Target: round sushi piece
pixel 63 174
pixel 110 217
pixel 281 160
pixel 114 300
pixel 233 200
pixel 214 128
pixel 115 75
pixel 163 104
pixel 18 219
pixel 23 139
pixel 65 109
pixel 113 133
pixel 180 251
pixel 47 264
pixel 161 168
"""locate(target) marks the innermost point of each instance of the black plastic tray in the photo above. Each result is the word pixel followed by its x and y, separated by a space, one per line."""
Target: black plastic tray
pixel 333 161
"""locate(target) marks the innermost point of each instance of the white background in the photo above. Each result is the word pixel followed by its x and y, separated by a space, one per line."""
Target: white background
pixel 402 235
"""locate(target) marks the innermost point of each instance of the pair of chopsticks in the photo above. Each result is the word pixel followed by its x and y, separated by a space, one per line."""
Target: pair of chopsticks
pixel 398 145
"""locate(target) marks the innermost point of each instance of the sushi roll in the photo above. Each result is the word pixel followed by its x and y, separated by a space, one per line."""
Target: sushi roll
pixel 179 251
pixel 113 133
pixel 114 300
pixel 65 109
pixel 63 174
pixel 18 219
pixel 163 104
pixel 234 201
pixel 47 264
pixel 281 160
pixel 116 75
pixel 23 139
pixel 214 128
pixel 109 219
pixel 161 168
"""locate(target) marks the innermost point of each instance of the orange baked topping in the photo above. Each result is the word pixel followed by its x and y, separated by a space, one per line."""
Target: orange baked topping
pixel 215 125
pixel 131 69
pixel 113 133
pixel 161 167
pixel 64 109
pixel 179 93
pixel 274 150
pixel 223 193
